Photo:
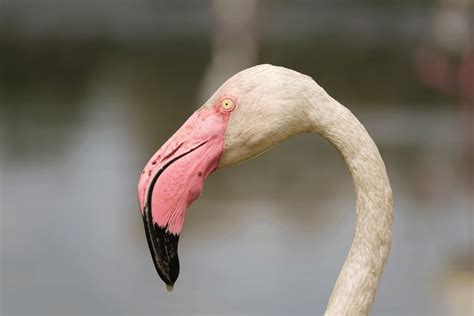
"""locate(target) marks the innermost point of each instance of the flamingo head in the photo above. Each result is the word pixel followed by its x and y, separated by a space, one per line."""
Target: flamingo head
pixel 248 114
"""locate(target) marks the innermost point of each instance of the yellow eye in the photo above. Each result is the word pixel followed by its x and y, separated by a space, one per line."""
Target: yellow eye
pixel 227 105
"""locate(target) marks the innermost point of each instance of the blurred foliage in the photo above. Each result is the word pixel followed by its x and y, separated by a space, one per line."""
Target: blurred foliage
pixel 355 72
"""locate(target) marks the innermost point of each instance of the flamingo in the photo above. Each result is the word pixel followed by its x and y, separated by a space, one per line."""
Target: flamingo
pixel 251 112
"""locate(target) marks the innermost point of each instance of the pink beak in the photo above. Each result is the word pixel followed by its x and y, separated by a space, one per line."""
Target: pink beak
pixel 173 179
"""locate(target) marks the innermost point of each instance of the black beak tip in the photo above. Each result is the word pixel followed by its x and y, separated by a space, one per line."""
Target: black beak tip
pixel 170 272
pixel 164 249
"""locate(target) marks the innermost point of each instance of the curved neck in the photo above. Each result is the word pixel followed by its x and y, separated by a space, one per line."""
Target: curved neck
pixel 356 285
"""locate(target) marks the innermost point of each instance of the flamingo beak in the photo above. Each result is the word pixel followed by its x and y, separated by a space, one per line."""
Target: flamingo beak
pixel 173 179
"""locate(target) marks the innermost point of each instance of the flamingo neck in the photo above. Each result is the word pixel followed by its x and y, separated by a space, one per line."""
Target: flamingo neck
pixel 354 291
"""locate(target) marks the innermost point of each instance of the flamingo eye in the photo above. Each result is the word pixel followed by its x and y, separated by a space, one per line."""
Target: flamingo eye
pixel 227 105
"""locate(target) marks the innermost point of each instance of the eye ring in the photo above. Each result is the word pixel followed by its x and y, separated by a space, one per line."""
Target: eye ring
pixel 227 105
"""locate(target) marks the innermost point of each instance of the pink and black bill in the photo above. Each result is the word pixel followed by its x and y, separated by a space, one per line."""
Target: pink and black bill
pixel 173 179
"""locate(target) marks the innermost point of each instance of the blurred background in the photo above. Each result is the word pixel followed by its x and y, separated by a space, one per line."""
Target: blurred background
pixel 90 89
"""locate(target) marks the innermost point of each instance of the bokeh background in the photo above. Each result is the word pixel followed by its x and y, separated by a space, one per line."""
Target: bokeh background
pixel 90 89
